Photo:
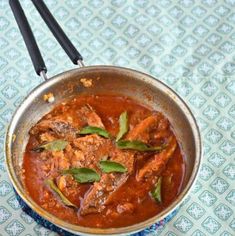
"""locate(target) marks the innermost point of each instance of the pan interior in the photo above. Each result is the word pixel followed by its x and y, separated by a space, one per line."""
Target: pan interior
pixel 105 80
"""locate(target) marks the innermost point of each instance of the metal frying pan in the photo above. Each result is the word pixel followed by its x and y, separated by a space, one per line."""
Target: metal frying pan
pixel 106 80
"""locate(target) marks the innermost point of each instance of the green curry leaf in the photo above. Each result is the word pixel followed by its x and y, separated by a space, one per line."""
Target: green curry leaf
pixel 123 125
pixel 95 130
pixel 83 175
pixel 50 183
pixel 56 145
pixel 111 166
pixel 156 193
pixel 137 145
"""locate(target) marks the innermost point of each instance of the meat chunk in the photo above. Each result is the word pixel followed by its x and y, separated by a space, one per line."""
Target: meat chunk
pixel 67 128
pixel 90 117
pixel 52 162
pixel 61 128
pixel 87 151
pixel 136 117
pixel 95 199
pixel 157 163
pixel 77 159
pixel 101 192
pixel 46 137
pixel 70 188
pixel 147 128
pixel 91 149
pixel 59 161
pixel 123 157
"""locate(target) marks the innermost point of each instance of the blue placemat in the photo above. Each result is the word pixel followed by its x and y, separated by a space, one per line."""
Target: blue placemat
pixel 188 44
pixel 46 224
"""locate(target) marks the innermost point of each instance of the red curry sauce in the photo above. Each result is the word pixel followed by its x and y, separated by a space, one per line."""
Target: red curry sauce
pixel 38 166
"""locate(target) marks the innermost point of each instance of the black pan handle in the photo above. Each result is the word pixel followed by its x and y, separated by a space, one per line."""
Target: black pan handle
pixel 28 37
pixel 57 31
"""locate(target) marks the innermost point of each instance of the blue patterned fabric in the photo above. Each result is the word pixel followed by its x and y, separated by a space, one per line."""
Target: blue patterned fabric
pixel 46 224
pixel 188 44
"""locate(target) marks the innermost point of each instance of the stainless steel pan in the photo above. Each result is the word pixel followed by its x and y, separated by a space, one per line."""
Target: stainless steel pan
pixel 106 80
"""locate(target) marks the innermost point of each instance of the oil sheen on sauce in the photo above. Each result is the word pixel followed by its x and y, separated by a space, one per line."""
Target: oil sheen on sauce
pixel 109 108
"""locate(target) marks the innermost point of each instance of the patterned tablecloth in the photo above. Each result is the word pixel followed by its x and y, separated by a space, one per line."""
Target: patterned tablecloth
pixel 188 44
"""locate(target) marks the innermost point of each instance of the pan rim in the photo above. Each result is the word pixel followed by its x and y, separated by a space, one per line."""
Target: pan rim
pixel 108 231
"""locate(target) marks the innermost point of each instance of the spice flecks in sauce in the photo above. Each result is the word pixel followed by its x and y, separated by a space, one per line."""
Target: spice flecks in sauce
pixel 131 201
